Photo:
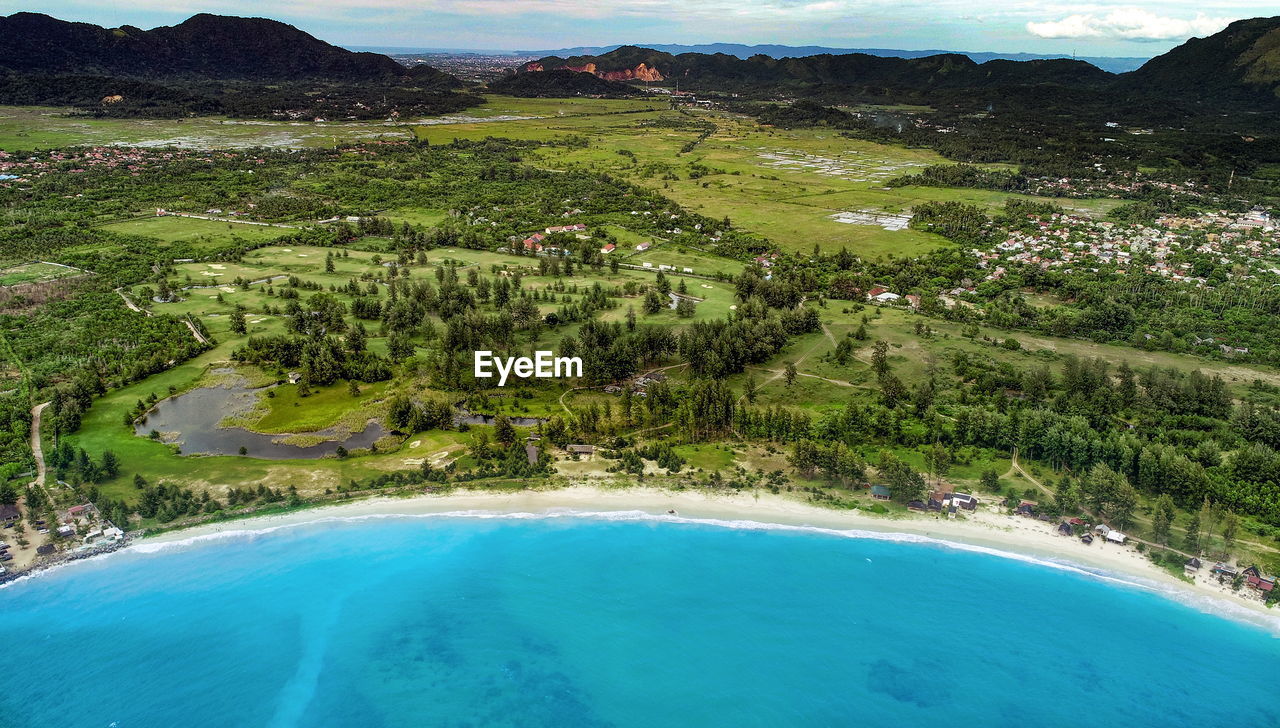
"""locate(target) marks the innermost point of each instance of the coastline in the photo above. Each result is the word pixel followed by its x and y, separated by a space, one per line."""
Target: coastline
pixel 984 530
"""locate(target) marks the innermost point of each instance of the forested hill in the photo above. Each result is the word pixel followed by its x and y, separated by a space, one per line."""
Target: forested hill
pixel 944 71
pixel 202 47
pixel 1239 66
pixel 558 83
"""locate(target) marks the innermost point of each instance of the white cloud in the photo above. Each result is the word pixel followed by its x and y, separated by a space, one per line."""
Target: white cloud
pixel 1128 24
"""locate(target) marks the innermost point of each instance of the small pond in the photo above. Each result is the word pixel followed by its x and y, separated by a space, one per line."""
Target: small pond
pixel 465 417
pixel 194 416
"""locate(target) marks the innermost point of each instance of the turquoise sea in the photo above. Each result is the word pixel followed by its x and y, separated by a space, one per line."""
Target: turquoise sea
pixel 609 621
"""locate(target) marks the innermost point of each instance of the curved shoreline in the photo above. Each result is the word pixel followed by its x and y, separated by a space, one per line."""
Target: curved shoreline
pixel 986 532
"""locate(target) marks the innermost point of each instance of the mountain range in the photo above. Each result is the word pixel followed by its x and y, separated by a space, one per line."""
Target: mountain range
pixel 1111 64
pixel 1238 66
pixel 202 47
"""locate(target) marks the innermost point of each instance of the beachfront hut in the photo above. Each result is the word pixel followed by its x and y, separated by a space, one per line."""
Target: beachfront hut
pixel 1115 536
pixel 1192 566
pixel 1086 539
pixel 531 452
pixel 879 492
pixel 9 512
pixel 916 505
pixel 1222 569
pixel 937 500
pixel 1027 508
pixel 46 549
pixel 1102 529
pixel 1064 528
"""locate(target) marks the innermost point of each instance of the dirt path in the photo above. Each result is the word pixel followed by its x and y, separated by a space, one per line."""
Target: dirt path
pixel 37 450
pixel 134 307
pixel 196 333
pixel 1015 467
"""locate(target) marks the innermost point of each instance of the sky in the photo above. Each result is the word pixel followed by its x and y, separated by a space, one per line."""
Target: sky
pixel 1143 28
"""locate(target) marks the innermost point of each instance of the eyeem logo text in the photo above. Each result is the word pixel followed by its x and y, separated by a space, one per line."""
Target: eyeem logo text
pixel 543 365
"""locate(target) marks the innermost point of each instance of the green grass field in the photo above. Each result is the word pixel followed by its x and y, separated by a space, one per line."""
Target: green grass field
pixel 35 273
pixel 171 228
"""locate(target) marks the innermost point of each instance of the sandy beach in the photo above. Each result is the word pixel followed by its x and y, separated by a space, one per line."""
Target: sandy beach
pixel 985 530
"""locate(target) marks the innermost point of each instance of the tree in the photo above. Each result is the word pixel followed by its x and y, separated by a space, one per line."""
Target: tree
pixel 1230 526
pixel 937 461
pixel 1192 540
pixel 1162 518
pixel 353 388
pixel 905 484
pixel 790 373
pixel 1067 499
pixel 357 339
pixel 237 321
pixel 652 302
pixel 751 389
pixel 989 481
pixel 8 493
pixel 110 464
pixel 880 357
pixel 503 431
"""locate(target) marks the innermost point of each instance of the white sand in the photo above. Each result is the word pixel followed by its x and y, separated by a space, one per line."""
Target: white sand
pixel 1010 535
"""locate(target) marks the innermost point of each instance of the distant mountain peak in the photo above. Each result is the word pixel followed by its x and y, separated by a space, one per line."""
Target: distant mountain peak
pixel 205 45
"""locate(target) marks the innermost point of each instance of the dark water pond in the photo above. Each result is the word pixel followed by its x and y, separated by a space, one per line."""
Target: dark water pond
pixel 464 417
pixel 195 415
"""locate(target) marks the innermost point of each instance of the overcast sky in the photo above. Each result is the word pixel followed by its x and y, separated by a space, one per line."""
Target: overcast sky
pixel 1144 28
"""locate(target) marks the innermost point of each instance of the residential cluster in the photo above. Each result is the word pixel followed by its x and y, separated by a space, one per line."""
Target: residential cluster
pixel 1204 250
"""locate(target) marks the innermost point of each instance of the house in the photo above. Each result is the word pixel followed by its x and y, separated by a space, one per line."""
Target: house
pixel 1223 570
pixel 686 270
pixel 1115 536
pixel 644 246
pixel 1254 579
pixel 886 297
pixel 1192 566
pixel 879 492
pixel 1027 508
pixel 1065 529
pixel 294 377
pixel 964 500
pixel 66 531
pixel 532 452
pixel 918 506
pixel 45 550
pixel 936 500
pixel 1086 539
pixel 9 512
pixel 609 248
pixel 580 449
pixel 914 300
pixel 612 389
pixel 875 292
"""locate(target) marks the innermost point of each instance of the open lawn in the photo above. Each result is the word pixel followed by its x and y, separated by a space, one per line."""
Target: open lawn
pixel 36 273
pixel 170 228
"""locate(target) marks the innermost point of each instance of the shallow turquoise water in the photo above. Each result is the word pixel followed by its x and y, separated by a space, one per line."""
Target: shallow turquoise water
pixel 587 622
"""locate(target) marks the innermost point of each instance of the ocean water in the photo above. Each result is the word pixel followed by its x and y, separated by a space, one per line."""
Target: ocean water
pixel 620 621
